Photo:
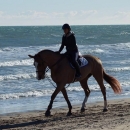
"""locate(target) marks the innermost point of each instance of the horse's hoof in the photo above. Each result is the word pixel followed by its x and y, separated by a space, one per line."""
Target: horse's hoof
pixel 69 114
pixel 48 113
pixel 105 110
pixel 82 110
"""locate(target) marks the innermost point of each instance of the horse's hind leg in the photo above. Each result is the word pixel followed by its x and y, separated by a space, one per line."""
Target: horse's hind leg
pixel 67 100
pixel 99 78
pixel 84 85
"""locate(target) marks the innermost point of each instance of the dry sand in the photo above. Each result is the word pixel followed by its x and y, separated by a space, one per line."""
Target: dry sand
pixel 117 118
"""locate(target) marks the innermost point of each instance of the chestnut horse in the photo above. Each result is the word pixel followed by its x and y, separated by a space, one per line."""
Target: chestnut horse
pixel 62 73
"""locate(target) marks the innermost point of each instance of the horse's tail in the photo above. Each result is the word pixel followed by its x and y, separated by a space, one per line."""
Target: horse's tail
pixel 114 83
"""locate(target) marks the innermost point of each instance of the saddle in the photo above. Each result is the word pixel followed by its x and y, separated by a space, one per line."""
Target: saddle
pixel 81 61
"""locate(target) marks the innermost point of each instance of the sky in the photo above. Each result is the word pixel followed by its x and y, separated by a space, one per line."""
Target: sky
pixel 57 12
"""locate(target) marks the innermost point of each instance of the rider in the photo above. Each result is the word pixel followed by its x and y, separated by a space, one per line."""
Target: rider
pixel 69 41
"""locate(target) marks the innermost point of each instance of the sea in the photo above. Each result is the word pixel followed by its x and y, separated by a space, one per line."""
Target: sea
pixel 20 91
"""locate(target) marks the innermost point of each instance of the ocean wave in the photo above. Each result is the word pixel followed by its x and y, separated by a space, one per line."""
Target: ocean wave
pixel 118 62
pixel 54 35
pixel 33 75
pixel 125 84
pixel 104 48
pixel 17 63
pixel 97 50
pixel 40 93
pixel 126 94
pixel 7 49
pixel 92 37
pixel 117 69
pixel 92 88
pixel 18 76
pixel 26 94
pixel 123 33
pixel 48 92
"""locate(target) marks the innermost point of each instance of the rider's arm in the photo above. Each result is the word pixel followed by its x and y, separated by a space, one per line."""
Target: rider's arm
pixel 62 46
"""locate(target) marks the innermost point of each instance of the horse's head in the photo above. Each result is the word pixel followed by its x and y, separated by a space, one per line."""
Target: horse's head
pixel 40 66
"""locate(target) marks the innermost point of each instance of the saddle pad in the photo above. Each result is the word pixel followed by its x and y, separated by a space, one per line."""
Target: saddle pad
pixel 83 61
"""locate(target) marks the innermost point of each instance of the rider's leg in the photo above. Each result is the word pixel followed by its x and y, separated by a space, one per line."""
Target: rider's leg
pixel 74 57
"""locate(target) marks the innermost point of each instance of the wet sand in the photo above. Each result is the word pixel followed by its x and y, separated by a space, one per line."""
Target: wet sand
pixel 117 118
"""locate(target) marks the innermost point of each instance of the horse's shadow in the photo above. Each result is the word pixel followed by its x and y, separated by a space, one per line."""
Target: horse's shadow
pixel 37 122
pixel 23 124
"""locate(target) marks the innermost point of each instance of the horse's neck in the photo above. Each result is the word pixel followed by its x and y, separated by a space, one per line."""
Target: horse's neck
pixel 50 58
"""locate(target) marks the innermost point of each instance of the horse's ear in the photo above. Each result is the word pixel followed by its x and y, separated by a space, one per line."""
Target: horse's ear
pixel 31 56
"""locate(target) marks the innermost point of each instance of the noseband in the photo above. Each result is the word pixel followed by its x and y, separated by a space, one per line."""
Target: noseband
pixel 42 71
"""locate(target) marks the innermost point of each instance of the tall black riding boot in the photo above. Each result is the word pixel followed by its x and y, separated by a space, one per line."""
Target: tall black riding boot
pixel 78 74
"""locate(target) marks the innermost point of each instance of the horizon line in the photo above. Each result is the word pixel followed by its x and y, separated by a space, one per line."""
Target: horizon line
pixel 70 24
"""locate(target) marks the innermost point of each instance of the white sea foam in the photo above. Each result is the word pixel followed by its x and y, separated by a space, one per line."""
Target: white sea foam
pixel 17 77
pixel 118 62
pixel 126 94
pixel 8 49
pixel 41 93
pixel 91 37
pixel 97 50
pixel 36 93
pixel 17 63
pixel 117 69
pixel 55 35
pixel 123 33
pixel 26 94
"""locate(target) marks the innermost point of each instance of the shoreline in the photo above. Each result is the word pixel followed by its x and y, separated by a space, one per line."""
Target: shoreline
pixel 93 118
pixel 79 104
pixel 65 106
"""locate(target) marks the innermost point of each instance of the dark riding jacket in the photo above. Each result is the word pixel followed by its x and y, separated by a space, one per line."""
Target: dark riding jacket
pixel 70 42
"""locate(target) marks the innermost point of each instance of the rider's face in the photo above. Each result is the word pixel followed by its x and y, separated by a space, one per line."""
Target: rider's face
pixel 66 31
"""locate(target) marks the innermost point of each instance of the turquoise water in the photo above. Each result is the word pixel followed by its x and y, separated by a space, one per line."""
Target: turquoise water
pixel 19 89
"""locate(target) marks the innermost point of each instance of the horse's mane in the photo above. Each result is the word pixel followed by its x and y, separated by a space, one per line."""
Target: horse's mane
pixel 45 51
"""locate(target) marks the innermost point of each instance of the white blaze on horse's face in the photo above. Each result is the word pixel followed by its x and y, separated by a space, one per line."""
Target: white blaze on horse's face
pixel 36 66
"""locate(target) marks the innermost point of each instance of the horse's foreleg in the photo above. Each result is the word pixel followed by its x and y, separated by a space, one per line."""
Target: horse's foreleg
pixel 58 89
pixel 67 100
pixel 87 93
pixel 85 100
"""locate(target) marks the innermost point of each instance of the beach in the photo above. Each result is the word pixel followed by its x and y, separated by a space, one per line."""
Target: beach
pixel 24 99
pixel 117 118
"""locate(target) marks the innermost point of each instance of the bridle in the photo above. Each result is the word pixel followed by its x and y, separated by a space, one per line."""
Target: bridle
pixel 42 70
pixel 48 68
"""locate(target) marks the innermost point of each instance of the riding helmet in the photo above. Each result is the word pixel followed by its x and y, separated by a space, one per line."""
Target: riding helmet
pixel 66 26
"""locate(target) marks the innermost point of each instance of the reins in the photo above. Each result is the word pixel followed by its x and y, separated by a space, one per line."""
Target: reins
pixel 48 78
